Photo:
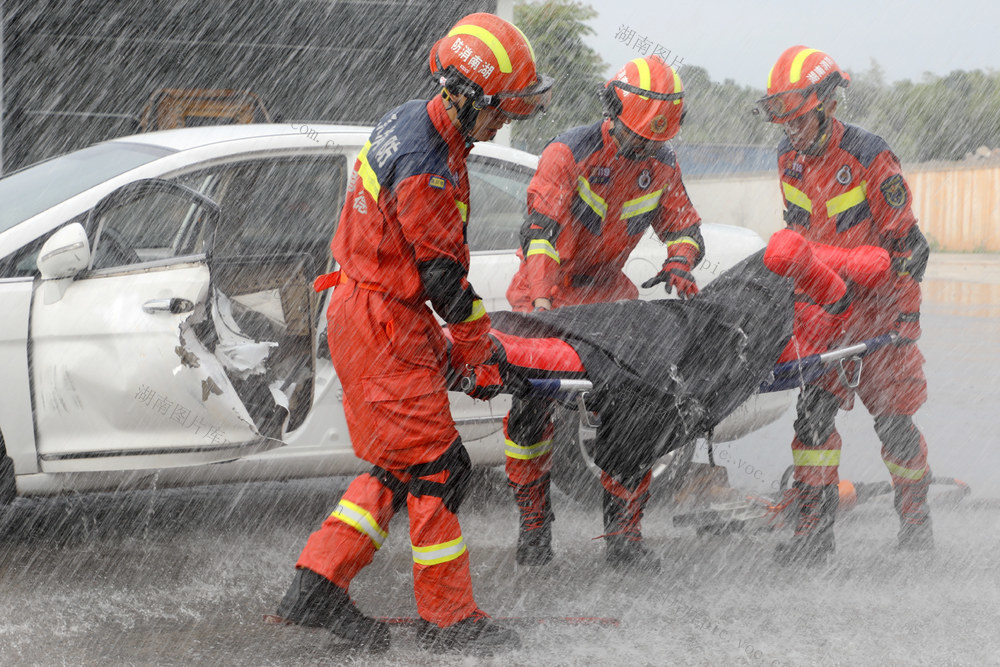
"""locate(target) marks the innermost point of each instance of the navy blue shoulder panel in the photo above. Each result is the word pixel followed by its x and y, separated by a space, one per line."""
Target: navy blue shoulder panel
pixel 784 146
pixel 404 143
pixel 862 144
pixel 582 141
pixel 666 155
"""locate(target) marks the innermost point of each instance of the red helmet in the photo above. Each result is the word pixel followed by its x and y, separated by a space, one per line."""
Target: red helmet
pixel 491 62
pixel 647 96
pixel 799 82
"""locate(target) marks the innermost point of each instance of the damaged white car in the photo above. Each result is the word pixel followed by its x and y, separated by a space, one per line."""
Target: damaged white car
pixel 159 322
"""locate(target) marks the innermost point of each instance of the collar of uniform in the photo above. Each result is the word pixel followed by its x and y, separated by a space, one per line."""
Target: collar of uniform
pixel 445 127
pixel 836 134
pixel 609 141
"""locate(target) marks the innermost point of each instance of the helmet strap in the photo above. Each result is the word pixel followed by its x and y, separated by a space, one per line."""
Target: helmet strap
pixel 822 132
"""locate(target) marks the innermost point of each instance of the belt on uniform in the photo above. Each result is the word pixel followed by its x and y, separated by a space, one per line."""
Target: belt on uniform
pixel 328 280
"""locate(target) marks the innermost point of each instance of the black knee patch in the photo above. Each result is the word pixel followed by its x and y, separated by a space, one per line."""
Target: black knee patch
pixel 899 436
pixel 452 491
pixel 394 484
pixel 816 413
pixel 527 419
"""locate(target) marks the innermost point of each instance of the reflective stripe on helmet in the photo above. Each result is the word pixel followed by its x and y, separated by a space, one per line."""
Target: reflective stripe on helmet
pixel 645 78
pixel 490 40
pixel 795 72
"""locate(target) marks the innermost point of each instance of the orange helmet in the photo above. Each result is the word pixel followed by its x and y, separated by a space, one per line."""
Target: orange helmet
pixel 799 82
pixel 647 96
pixel 491 62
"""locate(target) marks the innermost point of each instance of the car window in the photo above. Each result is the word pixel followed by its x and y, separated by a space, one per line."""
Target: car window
pixel 498 203
pixel 31 190
pixel 156 225
pixel 279 206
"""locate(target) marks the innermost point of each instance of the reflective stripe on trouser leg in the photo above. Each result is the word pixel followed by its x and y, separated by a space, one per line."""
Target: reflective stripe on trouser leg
pixel 442 583
pixel 904 449
pixel 528 434
pixel 816 445
pixel 354 531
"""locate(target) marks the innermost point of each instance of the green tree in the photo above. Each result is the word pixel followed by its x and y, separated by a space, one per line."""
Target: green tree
pixel 556 30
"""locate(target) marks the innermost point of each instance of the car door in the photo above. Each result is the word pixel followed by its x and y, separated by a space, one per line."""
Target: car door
pixel 122 375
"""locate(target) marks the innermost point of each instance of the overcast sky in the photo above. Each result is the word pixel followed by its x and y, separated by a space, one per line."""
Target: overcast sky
pixel 740 40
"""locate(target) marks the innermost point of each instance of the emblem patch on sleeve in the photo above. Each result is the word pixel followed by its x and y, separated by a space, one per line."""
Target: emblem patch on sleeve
pixel 437 182
pixel 894 191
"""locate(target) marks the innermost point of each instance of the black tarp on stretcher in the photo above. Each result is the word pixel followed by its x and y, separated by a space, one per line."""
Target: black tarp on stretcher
pixel 666 372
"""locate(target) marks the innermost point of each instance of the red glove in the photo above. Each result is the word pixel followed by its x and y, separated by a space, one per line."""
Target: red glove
pixel 676 274
pixel 471 343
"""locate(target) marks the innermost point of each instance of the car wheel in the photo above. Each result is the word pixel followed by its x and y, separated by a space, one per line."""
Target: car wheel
pixel 574 471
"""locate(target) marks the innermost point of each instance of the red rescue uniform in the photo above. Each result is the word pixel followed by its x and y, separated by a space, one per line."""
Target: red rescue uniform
pixel 588 209
pixel 401 243
pixel 854 194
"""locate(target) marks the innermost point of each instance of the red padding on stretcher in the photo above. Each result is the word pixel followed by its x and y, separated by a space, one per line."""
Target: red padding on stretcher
pixel 544 354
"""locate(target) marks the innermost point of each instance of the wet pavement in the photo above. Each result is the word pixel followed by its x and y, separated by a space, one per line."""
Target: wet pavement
pixel 184 576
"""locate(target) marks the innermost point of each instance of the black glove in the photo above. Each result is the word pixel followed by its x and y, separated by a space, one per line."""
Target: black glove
pixel 676 274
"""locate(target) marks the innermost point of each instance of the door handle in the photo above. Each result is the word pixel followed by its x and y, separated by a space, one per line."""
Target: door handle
pixel 174 306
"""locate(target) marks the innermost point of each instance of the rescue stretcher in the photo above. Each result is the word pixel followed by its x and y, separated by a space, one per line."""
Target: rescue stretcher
pixel 654 376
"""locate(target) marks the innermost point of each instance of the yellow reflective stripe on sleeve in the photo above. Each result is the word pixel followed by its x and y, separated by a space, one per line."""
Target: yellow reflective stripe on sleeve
pixel 645 78
pixel 852 197
pixel 683 239
pixel 436 554
pixel 796 197
pixel 367 174
pixel 592 199
pixel 490 40
pixel 358 518
pixel 478 310
pixel 639 205
pixel 516 451
pixel 798 62
pixel 463 210
pixel 906 473
pixel 816 457
pixel 542 247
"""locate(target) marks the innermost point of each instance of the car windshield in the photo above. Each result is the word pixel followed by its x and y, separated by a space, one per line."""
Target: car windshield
pixel 33 189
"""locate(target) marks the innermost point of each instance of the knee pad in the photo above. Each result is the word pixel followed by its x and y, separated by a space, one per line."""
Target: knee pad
pixel 398 487
pixel 899 436
pixel 456 463
pixel 816 411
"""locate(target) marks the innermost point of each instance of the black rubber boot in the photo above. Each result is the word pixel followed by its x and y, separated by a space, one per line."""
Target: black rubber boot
pixel 476 634
pixel 624 549
pixel 915 529
pixel 534 537
pixel 813 540
pixel 316 602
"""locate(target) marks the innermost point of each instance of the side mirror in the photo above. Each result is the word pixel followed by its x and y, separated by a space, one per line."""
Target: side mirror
pixel 65 254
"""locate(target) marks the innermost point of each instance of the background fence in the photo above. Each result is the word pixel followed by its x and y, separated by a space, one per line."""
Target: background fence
pixel 958 205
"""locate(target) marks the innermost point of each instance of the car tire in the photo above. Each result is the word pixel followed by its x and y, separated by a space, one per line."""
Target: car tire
pixel 574 471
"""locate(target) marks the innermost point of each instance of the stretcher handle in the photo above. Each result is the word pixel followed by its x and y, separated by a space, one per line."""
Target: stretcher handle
pixel 790 374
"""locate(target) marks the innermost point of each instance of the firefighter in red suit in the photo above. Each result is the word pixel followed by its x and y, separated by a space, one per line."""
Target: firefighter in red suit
pixel 399 244
pixel 597 190
pixel 843 187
